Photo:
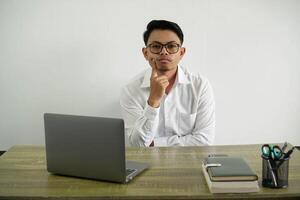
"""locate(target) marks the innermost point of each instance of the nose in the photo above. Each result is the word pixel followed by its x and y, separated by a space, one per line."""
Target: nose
pixel 164 51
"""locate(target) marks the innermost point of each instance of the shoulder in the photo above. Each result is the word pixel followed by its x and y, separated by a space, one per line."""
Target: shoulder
pixel 135 83
pixel 196 79
pixel 199 85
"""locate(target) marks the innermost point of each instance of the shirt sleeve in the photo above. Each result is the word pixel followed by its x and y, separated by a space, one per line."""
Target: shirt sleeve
pixel 204 129
pixel 140 120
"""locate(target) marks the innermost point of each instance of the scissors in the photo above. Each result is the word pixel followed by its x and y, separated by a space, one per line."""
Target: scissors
pixel 271 152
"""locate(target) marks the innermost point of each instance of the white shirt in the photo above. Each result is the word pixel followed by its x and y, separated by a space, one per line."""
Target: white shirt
pixel 186 116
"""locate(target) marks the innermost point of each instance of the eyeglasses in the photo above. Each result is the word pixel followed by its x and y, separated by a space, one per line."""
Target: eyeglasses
pixel 156 47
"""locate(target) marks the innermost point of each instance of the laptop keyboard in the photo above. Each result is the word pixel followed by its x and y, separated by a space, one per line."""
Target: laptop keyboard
pixel 130 171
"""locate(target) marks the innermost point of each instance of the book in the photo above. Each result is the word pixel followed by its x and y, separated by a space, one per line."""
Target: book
pixel 227 185
pixel 231 169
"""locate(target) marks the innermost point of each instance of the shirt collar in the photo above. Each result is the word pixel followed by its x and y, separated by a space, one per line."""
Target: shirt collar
pixel 180 77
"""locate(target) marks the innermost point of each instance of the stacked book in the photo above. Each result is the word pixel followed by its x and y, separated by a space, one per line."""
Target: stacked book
pixel 229 175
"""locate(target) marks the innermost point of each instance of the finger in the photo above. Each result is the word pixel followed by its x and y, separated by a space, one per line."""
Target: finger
pixel 164 82
pixel 161 78
pixel 153 63
pixel 154 68
pixel 165 85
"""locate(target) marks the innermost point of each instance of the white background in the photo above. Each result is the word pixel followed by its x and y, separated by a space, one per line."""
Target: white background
pixel 73 57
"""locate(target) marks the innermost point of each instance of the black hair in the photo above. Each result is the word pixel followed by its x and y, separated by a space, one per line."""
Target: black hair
pixel 162 25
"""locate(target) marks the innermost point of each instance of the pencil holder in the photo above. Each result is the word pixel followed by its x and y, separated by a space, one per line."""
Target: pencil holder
pixel 275 173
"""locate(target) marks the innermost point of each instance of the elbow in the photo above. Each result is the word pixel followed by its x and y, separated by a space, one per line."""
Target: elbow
pixel 208 139
pixel 136 140
pixel 205 138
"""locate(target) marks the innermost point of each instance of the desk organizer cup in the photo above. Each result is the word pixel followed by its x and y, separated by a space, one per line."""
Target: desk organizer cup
pixel 275 173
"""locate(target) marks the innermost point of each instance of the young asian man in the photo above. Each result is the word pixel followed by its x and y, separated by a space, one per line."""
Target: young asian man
pixel 167 105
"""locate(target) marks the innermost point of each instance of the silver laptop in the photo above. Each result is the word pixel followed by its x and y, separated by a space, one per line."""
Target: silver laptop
pixel 88 147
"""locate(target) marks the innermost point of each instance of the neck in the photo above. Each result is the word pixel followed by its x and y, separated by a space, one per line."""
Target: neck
pixel 171 74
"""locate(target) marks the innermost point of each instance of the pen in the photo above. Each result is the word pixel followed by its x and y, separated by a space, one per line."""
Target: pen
pixel 286 155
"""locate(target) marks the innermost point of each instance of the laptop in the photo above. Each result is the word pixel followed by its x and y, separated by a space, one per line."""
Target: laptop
pixel 88 147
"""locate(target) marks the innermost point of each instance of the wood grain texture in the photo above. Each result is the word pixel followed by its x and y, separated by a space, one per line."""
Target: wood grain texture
pixel 175 173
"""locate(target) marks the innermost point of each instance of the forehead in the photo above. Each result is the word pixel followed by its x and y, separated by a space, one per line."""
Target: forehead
pixel 163 36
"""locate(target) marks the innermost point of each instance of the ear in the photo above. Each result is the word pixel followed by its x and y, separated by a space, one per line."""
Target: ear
pixel 182 52
pixel 145 53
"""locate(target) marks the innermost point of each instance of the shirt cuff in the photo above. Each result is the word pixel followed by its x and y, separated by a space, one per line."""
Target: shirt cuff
pixel 150 112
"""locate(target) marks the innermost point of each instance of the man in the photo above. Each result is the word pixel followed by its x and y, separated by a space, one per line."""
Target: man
pixel 166 105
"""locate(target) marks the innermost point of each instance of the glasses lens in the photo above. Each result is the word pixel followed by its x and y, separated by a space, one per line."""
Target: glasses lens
pixel 155 48
pixel 172 48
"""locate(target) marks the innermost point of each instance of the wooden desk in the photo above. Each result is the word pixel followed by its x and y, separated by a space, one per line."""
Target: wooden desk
pixel 175 174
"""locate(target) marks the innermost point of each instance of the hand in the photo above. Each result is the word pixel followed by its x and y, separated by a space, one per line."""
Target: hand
pixel 158 85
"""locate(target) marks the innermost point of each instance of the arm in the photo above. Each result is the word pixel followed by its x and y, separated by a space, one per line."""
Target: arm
pixel 140 122
pixel 204 129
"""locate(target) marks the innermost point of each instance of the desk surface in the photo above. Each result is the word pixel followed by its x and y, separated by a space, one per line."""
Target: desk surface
pixel 175 173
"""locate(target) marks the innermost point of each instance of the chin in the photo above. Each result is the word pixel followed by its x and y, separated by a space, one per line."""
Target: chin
pixel 166 68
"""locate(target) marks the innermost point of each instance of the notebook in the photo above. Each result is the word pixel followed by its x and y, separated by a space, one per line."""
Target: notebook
pixel 230 169
pixel 227 174
pixel 229 186
pixel 88 147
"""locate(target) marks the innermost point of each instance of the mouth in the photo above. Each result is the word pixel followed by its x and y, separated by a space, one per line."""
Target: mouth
pixel 164 60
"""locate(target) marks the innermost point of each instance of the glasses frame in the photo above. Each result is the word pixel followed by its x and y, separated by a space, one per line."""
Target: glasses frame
pixel 164 46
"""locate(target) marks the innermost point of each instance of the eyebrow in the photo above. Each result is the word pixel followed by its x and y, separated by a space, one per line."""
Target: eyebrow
pixel 164 43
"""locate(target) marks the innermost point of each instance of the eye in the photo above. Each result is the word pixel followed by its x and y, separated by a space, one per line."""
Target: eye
pixel 156 46
pixel 172 46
